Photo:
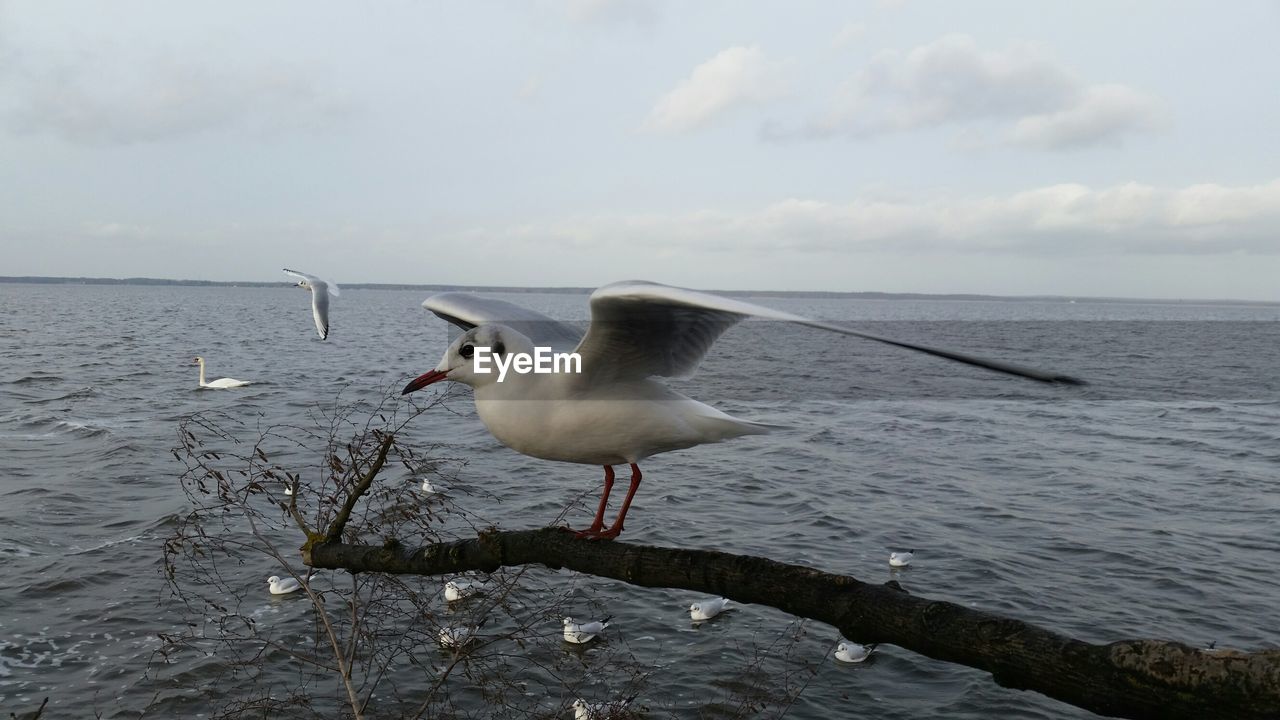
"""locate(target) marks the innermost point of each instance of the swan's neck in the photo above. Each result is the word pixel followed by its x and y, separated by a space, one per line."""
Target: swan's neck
pixel 202 382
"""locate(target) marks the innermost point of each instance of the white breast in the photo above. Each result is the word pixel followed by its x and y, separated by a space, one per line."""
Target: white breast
pixel 546 419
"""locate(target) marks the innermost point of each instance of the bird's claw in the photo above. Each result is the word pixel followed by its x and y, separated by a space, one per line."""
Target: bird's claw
pixel 596 534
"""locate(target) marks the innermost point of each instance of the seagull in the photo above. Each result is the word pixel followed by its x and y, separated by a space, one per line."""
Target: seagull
pixel 851 652
pixel 288 490
pixel 459 588
pixel 583 710
pixel 901 559
pixel 456 637
pixel 707 609
pixel 283 587
pixel 428 488
pixel 320 292
pixel 576 632
pixel 220 383
pixel 610 411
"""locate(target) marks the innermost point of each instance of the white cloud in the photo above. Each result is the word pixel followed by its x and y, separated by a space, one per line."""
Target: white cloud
pixel 107 96
pixel 1065 219
pixel 735 77
pixel 952 81
pixel 849 34
pixel 1102 113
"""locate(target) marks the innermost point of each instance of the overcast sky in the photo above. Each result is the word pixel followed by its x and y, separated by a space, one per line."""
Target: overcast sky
pixel 1109 148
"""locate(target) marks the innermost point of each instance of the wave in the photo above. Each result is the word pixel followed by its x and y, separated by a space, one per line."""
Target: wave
pixel 42 426
pixel 29 426
pixel 14 550
pixel 35 379
pixel 78 394
pixel 112 543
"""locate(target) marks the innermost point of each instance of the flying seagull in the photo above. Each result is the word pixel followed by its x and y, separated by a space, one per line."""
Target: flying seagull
pixel 320 292
pixel 611 411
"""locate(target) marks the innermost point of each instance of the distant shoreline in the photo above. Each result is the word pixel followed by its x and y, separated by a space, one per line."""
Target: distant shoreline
pixel 41 280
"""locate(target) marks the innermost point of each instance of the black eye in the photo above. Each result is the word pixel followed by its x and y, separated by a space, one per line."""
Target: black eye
pixel 467 350
pixel 498 348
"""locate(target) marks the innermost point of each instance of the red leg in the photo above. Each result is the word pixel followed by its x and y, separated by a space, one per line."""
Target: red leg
pixel 616 528
pixel 598 524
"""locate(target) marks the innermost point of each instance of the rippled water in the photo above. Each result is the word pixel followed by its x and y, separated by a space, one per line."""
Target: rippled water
pixel 1142 505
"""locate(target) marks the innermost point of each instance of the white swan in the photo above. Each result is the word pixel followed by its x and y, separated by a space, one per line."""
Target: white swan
pixel 220 382
pixel 320 292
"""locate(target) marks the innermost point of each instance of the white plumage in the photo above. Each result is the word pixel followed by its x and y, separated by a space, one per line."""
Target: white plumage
pixel 220 383
pixel 901 559
pixel 283 586
pixel 852 652
pixel 583 710
pixel 576 632
pixel 707 609
pixel 320 292
pixel 459 588
pixel 612 412
pixel 456 637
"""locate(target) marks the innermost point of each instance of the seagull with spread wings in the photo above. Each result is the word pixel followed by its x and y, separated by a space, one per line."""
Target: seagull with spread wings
pixel 612 411
pixel 320 292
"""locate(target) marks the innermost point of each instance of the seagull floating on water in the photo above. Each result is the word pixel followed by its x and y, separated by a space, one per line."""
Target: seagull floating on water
pixel 851 652
pixel 283 587
pixel 428 488
pixel 456 637
pixel 576 632
pixel 583 710
pixel 901 559
pixel 611 412
pixel 220 383
pixel 459 588
pixel 320 292
pixel 707 609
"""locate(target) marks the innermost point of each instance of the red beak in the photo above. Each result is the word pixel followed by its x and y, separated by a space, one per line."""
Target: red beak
pixel 424 380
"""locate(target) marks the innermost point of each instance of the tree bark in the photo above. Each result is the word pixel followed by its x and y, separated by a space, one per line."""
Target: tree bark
pixel 1128 678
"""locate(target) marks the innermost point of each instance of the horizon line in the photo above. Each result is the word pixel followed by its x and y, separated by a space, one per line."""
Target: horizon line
pixel 441 287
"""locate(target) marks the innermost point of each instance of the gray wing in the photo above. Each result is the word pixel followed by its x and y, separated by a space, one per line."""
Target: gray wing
pixel 639 329
pixel 320 309
pixel 317 284
pixel 467 310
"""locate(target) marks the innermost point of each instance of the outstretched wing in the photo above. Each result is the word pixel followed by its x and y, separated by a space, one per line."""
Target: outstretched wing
pixel 320 310
pixel 639 329
pixel 301 275
pixel 318 285
pixel 467 310
pixel 320 291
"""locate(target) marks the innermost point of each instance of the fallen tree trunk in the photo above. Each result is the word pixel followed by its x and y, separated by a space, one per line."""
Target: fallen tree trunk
pixel 1130 678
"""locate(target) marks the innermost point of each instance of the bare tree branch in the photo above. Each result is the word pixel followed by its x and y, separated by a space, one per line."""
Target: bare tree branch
pixel 344 514
pixel 1129 678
